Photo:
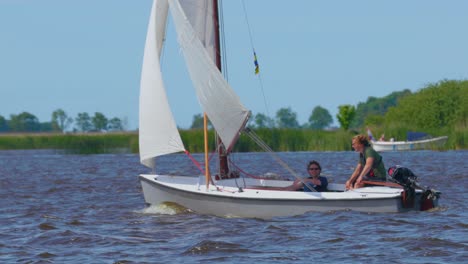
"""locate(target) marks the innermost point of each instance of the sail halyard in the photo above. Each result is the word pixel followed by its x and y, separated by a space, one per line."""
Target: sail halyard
pixel 158 133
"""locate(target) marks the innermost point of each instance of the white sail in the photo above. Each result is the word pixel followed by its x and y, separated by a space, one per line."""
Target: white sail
pixel 218 100
pixel 201 15
pixel 158 134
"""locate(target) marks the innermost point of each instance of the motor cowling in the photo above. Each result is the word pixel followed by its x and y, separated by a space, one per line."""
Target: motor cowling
pixel 408 180
pixel 402 176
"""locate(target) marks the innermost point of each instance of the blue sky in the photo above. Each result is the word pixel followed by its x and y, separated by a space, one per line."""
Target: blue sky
pixel 85 56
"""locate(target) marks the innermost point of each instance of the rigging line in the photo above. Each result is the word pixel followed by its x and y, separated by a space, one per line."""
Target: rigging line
pixel 197 164
pixel 248 25
pixel 222 39
pixel 255 56
pixel 235 179
pixel 283 164
pixel 244 172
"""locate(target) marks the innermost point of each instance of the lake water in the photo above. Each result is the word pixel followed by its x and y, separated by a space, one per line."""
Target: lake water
pixel 58 208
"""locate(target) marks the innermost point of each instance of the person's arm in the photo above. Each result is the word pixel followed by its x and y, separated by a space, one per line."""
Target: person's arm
pixel 297 184
pixel 314 181
pixel 351 180
pixel 365 171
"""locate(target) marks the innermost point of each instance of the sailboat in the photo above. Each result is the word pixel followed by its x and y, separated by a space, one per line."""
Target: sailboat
pixel 227 195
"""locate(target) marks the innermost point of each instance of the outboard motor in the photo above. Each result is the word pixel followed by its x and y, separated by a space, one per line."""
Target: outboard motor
pixel 406 178
pixel 402 176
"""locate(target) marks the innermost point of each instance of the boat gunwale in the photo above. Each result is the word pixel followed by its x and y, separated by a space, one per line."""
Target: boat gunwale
pixel 225 195
pixel 390 143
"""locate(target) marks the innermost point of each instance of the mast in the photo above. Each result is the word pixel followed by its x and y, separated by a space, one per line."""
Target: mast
pixel 222 153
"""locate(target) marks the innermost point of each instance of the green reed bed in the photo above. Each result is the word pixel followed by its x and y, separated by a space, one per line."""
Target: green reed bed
pixel 458 139
pixel 298 140
pixel 73 143
pixel 276 139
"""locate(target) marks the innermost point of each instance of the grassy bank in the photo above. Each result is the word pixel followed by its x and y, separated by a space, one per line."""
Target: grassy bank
pixel 277 139
pixel 92 143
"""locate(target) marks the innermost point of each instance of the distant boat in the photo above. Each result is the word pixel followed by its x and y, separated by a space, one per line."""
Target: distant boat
pixel 415 141
pixel 226 194
pixel 432 143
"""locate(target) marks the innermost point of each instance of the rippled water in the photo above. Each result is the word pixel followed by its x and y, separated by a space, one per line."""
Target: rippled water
pixel 89 209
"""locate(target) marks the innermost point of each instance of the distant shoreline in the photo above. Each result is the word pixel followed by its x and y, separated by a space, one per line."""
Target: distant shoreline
pixel 127 142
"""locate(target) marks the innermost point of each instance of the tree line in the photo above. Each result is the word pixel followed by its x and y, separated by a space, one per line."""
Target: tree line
pixel 61 122
pixel 320 118
pixel 439 108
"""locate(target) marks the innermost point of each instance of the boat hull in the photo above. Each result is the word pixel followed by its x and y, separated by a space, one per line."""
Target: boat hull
pixel 229 201
pixel 432 143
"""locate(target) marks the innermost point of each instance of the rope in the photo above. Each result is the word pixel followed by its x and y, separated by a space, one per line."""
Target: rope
pixel 195 162
pixel 267 149
pixel 255 56
pixel 222 41
pixel 243 172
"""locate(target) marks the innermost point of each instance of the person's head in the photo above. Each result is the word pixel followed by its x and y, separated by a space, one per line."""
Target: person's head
pixel 314 168
pixel 359 142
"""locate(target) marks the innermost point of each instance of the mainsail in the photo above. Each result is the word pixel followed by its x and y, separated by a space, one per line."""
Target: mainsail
pixel 218 100
pixel 200 15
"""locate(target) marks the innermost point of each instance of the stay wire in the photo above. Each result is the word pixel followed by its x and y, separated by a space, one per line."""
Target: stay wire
pixel 222 41
pixel 253 49
pixel 283 164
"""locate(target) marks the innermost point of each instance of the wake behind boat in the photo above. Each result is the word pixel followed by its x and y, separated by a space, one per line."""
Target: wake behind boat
pixel 230 193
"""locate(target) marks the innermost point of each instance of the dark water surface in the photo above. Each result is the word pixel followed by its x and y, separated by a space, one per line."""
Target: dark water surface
pixel 59 208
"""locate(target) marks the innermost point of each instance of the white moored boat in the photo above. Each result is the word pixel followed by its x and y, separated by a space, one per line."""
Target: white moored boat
pixel 432 143
pixel 229 195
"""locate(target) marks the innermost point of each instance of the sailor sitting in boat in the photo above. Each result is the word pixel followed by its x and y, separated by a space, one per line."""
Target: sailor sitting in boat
pixel 370 166
pixel 382 137
pixel 319 183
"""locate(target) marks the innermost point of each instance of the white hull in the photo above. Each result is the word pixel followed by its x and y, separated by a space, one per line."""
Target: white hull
pixel 409 145
pixel 259 202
